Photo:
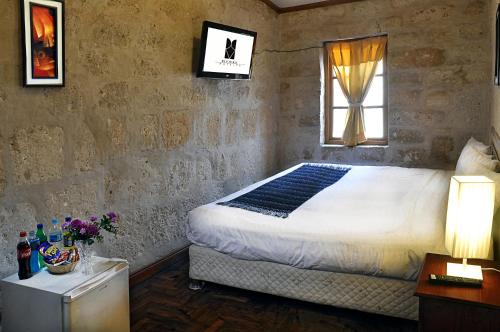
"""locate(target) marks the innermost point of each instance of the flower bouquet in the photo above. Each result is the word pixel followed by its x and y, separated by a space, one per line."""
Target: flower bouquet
pixel 84 233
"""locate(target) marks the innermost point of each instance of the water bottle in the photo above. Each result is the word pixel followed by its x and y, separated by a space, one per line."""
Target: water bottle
pixel 55 235
pixel 34 244
pixel 40 234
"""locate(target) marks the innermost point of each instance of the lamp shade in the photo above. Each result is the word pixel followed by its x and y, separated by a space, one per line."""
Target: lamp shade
pixel 470 216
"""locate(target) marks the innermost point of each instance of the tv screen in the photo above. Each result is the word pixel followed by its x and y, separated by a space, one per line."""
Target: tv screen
pixel 226 52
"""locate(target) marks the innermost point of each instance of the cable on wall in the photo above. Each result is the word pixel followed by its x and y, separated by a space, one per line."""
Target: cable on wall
pixel 288 51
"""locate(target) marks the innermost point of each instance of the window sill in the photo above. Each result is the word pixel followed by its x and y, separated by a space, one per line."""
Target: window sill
pixel 385 146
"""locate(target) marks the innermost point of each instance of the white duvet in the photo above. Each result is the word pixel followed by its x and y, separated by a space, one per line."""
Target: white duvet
pixel 377 221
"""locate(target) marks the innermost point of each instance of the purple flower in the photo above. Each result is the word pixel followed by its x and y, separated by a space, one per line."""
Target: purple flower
pixel 67 219
pixel 83 231
pixel 113 216
pixel 66 225
pixel 93 218
pixel 92 229
pixel 77 223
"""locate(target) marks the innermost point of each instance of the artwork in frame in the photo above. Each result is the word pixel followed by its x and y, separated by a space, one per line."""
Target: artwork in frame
pixel 43 42
pixel 497 48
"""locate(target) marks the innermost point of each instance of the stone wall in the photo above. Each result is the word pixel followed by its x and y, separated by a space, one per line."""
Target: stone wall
pixel 439 63
pixel 133 130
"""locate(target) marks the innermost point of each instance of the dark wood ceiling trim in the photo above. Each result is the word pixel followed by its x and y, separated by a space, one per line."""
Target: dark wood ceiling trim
pixel 308 6
pixel 272 5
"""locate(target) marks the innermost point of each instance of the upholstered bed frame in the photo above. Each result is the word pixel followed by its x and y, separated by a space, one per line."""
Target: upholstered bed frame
pixel 386 296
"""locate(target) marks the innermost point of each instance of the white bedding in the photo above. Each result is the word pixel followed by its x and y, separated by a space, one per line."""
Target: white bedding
pixel 377 221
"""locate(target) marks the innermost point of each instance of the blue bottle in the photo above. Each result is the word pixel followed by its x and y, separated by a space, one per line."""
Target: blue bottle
pixel 34 244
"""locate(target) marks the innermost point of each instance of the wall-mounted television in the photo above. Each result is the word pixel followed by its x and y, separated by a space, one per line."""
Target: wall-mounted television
pixel 226 52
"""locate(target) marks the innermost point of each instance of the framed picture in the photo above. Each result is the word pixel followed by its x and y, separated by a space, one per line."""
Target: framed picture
pixel 43 42
pixel 497 49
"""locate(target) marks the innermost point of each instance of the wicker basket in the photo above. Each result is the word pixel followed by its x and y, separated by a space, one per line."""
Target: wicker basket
pixel 62 269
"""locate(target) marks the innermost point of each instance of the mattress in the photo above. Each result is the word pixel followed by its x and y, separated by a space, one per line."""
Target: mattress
pixel 384 296
pixel 377 221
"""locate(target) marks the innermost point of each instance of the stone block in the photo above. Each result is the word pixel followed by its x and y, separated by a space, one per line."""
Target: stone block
pixel 179 177
pixel 418 58
pixel 307 154
pixel 84 150
pixel 410 157
pixel 431 14
pixel 77 200
pixel 112 32
pixel 403 96
pixel 442 147
pixel 250 124
pixel 150 132
pixel 117 134
pixel 114 96
pixel 3 180
pixel 37 154
pixel 135 182
pixel 309 120
pixel 214 129
pixel 232 126
pixel 406 136
pixel 176 128
pixel 372 155
pixel 437 99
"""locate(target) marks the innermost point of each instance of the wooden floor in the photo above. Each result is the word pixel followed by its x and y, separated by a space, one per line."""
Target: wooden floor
pixel 164 303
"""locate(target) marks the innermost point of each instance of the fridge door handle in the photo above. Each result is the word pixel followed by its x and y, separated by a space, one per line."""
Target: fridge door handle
pixel 94 283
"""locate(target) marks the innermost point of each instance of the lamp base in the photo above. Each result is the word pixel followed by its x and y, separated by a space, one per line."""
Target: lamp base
pixel 464 271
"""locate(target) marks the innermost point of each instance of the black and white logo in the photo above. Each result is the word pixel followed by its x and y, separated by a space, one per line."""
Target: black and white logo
pixel 228 52
pixel 230 49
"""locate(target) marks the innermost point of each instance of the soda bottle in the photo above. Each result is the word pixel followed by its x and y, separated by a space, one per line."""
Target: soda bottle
pixel 23 257
pixel 55 235
pixel 40 234
pixel 34 244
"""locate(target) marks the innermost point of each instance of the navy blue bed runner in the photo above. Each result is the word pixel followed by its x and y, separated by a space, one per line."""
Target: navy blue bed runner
pixel 283 195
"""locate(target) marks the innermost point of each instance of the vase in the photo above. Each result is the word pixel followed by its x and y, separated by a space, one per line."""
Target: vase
pixel 85 258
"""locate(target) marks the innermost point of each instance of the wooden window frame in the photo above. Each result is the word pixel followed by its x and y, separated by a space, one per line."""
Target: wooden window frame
pixel 329 139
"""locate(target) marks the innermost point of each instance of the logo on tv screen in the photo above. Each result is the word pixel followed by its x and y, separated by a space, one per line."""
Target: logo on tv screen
pixel 230 49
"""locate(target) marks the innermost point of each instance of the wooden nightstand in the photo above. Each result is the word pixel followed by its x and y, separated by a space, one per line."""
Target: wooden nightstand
pixel 450 308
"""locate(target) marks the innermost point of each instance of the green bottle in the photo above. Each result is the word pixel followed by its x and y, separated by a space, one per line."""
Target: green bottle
pixel 43 238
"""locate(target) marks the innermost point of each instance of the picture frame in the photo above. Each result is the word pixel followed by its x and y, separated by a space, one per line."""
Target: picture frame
pixel 497 48
pixel 43 43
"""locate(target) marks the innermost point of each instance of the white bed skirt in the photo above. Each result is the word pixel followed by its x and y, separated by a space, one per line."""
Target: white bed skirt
pixel 391 297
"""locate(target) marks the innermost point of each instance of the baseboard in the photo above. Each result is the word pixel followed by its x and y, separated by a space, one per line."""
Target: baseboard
pixel 180 256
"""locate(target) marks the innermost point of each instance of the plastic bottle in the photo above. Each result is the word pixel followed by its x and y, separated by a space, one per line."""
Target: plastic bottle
pixel 55 235
pixel 40 234
pixel 23 257
pixel 34 244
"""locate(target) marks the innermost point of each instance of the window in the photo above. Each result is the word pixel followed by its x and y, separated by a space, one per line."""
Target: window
pixel 374 105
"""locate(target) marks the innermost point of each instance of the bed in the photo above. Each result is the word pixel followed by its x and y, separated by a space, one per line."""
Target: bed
pixel 356 244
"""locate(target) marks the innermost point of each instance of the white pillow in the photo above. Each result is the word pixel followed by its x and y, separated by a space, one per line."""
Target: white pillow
pixel 483 148
pixel 471 159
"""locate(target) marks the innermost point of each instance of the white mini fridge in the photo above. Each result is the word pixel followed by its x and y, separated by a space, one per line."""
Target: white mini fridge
pixel 71 302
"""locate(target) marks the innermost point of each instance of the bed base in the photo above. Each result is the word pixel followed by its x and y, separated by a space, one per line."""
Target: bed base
pixel 391 297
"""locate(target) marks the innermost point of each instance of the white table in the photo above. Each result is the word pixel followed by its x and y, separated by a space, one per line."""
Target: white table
pixel 69 302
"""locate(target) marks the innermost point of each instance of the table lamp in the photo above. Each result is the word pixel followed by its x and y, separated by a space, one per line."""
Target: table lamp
pixel 469 223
